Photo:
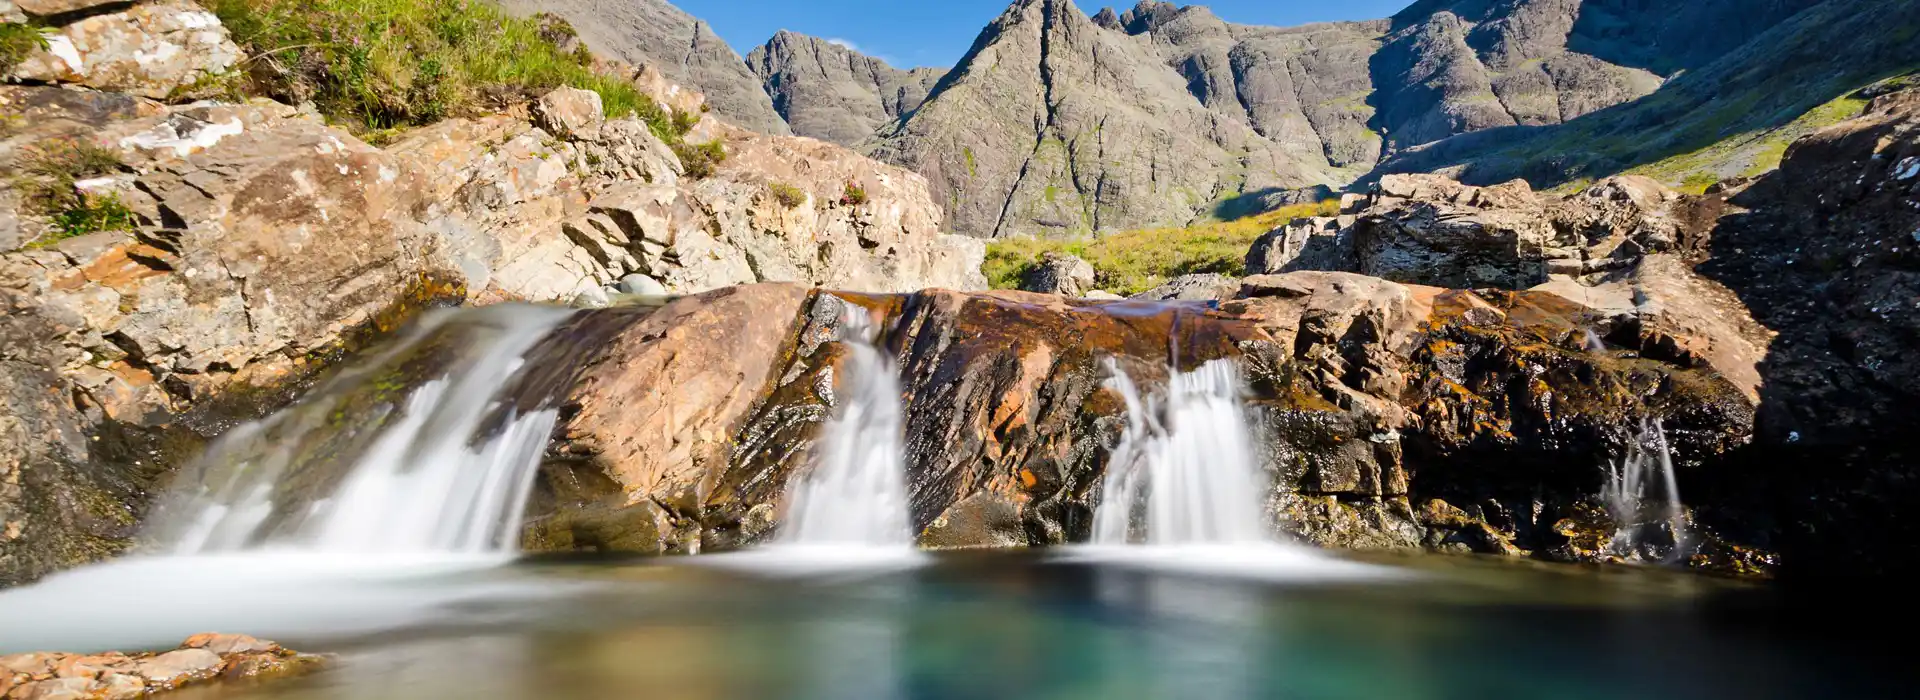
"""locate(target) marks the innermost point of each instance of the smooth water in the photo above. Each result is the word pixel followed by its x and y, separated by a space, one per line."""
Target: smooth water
pixel 1185 466
pixel 855 492
pixel 1012 625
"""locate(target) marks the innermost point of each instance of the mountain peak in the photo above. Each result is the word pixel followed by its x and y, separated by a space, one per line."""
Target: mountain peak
pixel 827 90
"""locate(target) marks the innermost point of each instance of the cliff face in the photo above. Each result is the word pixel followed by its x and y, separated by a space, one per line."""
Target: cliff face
pixel 830 92
pixel 685 49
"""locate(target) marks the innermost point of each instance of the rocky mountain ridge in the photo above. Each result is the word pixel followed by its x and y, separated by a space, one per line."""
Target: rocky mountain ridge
pixel 833 93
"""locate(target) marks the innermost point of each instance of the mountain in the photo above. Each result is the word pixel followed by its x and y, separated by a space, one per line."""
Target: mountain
pixel 1055 124
pixel 1723 109
pixel 1060 123
pixel 833 93
pixel 685 49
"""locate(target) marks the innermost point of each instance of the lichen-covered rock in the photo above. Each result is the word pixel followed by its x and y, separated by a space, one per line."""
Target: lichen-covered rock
pixel 150 49
pixel 570 113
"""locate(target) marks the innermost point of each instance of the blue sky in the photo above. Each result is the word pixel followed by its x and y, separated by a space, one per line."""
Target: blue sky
pixel 911 33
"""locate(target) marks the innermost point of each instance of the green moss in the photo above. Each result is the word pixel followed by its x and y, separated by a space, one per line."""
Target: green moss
pixel 1135 261
pixel 47 183
pixel 972 170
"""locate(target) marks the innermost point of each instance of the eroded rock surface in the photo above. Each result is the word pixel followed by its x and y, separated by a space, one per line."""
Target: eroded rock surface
pixel 1390 415
pixel 150 49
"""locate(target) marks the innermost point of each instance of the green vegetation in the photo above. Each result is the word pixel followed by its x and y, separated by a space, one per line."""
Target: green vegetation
pixel 371 65
pixel 700 159
pixel 47 181
pixel 1748 154
pixel 1131 262
pixel 854 195
pixel 787 195
pixel 17 42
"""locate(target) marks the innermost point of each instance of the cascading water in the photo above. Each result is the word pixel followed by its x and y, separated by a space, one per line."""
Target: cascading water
pixel 361 502
pixel 1627 492
pixel 1184 489
pixel 447 469
pixel 855 492
pixel 1185 462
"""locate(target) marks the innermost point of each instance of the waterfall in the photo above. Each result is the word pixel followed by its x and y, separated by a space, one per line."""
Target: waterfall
pixel 1185 463
pixel 419 449
pixel 855 492
pixel 1626 491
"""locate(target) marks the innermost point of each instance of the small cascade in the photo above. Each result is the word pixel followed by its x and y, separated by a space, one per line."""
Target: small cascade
pixel 855 492
pixel 1185 470
pixel 420 449
pixel 1628 495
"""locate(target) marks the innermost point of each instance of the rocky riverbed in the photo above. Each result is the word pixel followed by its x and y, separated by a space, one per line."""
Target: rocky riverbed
pixel 202 659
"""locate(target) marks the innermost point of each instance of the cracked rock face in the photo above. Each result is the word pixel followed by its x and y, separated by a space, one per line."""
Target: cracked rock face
pixel 150 49
pixel 829 92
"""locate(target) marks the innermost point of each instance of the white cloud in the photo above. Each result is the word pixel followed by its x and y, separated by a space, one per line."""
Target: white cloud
pixel 848 45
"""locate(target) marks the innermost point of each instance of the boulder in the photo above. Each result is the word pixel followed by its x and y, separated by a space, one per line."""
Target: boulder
pixel 1201 287
pixel 570 113
pixel 1059 273
pixel 150 49
pixel 49 8
pixel 117 676
pixel 1429 229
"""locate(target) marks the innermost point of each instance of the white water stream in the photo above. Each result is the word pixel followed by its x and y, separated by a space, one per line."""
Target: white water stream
pixel 1628 492
pixel 855 492
pixel 272 533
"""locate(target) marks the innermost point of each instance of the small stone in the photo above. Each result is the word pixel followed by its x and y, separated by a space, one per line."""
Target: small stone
pixel 1103 295
pixel 90 666
pixel 224 644
pixel 591 298
pixel 641 285
pixel 176 668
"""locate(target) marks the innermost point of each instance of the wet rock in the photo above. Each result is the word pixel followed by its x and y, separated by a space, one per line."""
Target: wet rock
pixel 641 285
pixel 1059 273
pixel 150 49
pixel 225 644
pixel 180 667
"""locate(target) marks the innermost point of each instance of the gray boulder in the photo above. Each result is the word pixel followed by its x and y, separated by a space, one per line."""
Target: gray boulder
pixel 1059 273
pixel 150 50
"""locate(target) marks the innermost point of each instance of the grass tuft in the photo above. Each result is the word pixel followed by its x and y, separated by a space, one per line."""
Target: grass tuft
pixel 1131 262
pixel 47 181
pixel 376 65
pixel 787 195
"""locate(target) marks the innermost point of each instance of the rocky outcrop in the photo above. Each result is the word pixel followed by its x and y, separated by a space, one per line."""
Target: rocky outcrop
pixel 262 240
pixel 1826 251
pixel 830 92
pixel 1392 416
pixel 202 660
pixel 150 49
pixel 1623 248
pixel 685 50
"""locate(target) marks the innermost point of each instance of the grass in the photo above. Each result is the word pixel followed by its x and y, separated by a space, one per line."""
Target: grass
pixel 374 65
pixel 46 182
pixel 17 42
pixel 1749 154
pixel 700 160
pixel 1131 262
pixel 787 195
